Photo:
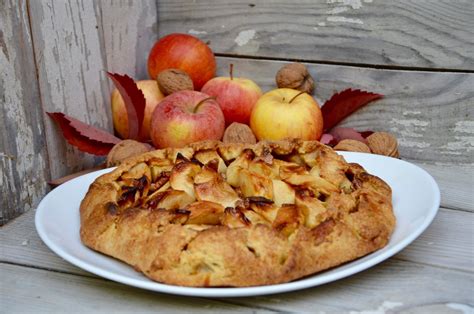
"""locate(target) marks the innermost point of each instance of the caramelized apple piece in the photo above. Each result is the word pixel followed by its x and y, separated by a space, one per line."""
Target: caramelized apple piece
pixel 205 175
pixel 159 166
pixel 266 210
pixel 290 170
pixel 264 169
pixel 183 154
pixel 205 213
pixel 182 177
pixel 252 184
pixel 230 151
pixel 283 193
pixel 234 169
pixel 299 177
pixel 216 190
pixel 313 209
pixel 175 200
pixel 310 159
pixel 296 159
pixel 255 218
pixel 207 156
pixel 333 168
pixel 137 171
pixel 234 218
pixel 288 219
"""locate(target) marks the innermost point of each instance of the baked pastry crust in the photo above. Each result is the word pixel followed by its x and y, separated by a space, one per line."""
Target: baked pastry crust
pixel 214 214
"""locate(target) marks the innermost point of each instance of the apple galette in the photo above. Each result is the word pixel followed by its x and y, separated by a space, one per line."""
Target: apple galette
pixel 214 214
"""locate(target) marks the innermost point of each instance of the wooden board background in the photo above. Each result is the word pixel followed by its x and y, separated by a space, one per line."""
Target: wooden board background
pixel 412 34
pixel 419 54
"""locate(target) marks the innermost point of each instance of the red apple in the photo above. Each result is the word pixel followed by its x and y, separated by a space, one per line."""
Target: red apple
pixel 184 52
pixel 185 117
pixel 235 95
pixel 152 95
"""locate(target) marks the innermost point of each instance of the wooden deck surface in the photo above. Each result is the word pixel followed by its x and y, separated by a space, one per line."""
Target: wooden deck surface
pixel 419 54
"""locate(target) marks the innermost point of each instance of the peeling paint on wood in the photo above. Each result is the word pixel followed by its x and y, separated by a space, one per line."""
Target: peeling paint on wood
pixel 24 167
pixel 130 30
pixel 71 46
pixel 71 64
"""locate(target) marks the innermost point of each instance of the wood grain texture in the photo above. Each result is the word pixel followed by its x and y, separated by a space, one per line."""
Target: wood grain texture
pixel 441 245
pixel 27 294
pixel 432 114
pixel 431 34
pixel 371 290
pixel 448 242
pixel 129 30
pixel 24 167
pixel 71 64
pixel 393 286
pixel 456 184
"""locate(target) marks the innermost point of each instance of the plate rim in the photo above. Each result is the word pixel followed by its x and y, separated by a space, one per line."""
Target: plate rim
pixel 307 282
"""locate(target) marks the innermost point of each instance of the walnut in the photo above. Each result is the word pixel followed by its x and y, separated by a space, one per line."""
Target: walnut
pixel 296 76
pixel 174 80
pixel 124 149
pixel 352 146
pixel 239 133
pixel 383 143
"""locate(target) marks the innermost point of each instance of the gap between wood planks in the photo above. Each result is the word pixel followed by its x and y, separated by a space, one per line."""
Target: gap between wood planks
pixel 350 64
pixel 94 277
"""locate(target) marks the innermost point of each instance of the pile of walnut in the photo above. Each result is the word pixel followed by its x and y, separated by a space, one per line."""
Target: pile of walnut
pixel 380 143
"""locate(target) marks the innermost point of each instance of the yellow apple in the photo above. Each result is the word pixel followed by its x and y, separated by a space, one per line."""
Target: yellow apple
pixel 286 113
pixel 152 95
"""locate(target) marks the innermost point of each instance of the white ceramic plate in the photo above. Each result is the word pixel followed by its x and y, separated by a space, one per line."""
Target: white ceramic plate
pixel 416 199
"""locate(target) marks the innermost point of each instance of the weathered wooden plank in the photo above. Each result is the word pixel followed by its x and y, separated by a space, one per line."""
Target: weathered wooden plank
pixel 456 184
pixel 129 32
pixel 446 243
pixel 419 287
pixel 24 167
pixel 23 290
pixel 20 244
pixel 394 285
pixel 430 113
pixel 431 34
pixel 71 63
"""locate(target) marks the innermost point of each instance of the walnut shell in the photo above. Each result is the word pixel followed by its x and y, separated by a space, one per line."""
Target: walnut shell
pixel 383 143
pixel 352 146
pixel 125 149
pixel 174 80
pixel 295 76
pixel 239 133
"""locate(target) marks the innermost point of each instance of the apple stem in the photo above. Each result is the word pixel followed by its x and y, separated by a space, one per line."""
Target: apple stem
pixel 291 100
pixel 201 102
pixel 231 71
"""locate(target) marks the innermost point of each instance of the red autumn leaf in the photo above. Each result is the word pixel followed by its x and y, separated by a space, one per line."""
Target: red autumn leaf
pixel 342 104
pixel 86 138
pixel 134 102
pixel 340 134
